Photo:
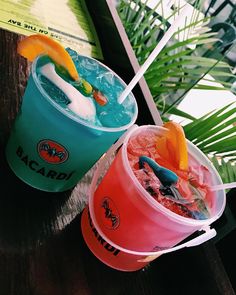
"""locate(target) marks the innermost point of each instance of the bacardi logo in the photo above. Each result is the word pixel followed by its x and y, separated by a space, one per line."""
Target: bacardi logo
pixel 110 215
pixel 52 152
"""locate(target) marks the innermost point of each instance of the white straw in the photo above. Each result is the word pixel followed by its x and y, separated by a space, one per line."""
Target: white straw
pixel 173 28
pixel 223 186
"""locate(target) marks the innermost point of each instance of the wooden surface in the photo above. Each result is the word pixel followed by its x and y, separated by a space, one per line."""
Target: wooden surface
pixel 42 251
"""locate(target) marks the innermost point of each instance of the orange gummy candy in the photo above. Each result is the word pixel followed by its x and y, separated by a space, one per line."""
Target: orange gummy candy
pixel 35 45
pixel 175 146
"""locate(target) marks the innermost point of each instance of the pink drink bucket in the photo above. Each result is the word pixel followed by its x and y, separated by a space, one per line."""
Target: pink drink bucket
pixel 125 227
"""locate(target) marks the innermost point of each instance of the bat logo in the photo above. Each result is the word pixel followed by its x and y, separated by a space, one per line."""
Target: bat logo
pixel 111 216
pixel 52 152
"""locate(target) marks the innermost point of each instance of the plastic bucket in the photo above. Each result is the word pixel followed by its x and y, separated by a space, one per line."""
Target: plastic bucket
pixel 125 227
pixel 49 148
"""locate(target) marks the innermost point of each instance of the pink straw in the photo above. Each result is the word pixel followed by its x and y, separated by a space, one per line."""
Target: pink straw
pixel 223 186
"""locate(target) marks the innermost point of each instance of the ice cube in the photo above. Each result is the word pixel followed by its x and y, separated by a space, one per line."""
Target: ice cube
pixel 113 115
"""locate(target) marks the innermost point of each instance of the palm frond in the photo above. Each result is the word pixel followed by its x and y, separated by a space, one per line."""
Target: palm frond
pixel 181 67
pixel 177 66
pixel 176 111
pixel 226 169
pixel 214 133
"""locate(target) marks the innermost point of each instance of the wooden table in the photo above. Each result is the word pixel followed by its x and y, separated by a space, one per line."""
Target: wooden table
pixel 42 251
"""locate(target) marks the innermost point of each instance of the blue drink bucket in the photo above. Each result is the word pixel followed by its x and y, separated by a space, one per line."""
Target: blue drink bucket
pixel 49 148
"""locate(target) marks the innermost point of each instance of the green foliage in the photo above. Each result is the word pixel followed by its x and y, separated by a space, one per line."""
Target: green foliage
pixel 215 135
pixel 215 132
pixel 180 67
pixel 226 169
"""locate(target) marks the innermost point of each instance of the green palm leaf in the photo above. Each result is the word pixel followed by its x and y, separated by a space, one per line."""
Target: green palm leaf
pixel 179 68
pixel 171 71
pixel 226 169
pixel 177 112
pixel 214 132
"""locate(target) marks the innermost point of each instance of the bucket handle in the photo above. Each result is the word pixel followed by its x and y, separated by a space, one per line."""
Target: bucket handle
pixel 208 234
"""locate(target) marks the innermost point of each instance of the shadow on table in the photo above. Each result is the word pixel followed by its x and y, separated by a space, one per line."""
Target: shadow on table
pixel 183 272
pixel 29 216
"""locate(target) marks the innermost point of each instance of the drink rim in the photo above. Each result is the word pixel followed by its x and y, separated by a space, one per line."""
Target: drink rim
pixel 77 119
pixel 147 197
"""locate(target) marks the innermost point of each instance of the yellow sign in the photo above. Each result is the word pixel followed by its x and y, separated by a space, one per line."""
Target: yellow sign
pixel 67 21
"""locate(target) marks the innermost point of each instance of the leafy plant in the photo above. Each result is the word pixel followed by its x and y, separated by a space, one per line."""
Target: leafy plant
pixel 226 169
pixel 215 134
pixel 181 67
pixel 177 67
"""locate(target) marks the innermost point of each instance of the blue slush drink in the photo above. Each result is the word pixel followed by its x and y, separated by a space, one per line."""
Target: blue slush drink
pixel 56 138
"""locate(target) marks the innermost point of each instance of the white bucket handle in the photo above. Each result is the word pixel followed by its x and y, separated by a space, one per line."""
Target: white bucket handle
pixel 208 234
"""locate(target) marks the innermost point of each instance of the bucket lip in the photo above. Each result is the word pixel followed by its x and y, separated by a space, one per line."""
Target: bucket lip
pixel 77 119
pixel 157 205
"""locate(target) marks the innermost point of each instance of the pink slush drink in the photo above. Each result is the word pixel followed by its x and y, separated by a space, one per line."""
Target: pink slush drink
pixel 190 196
pixel 133 211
